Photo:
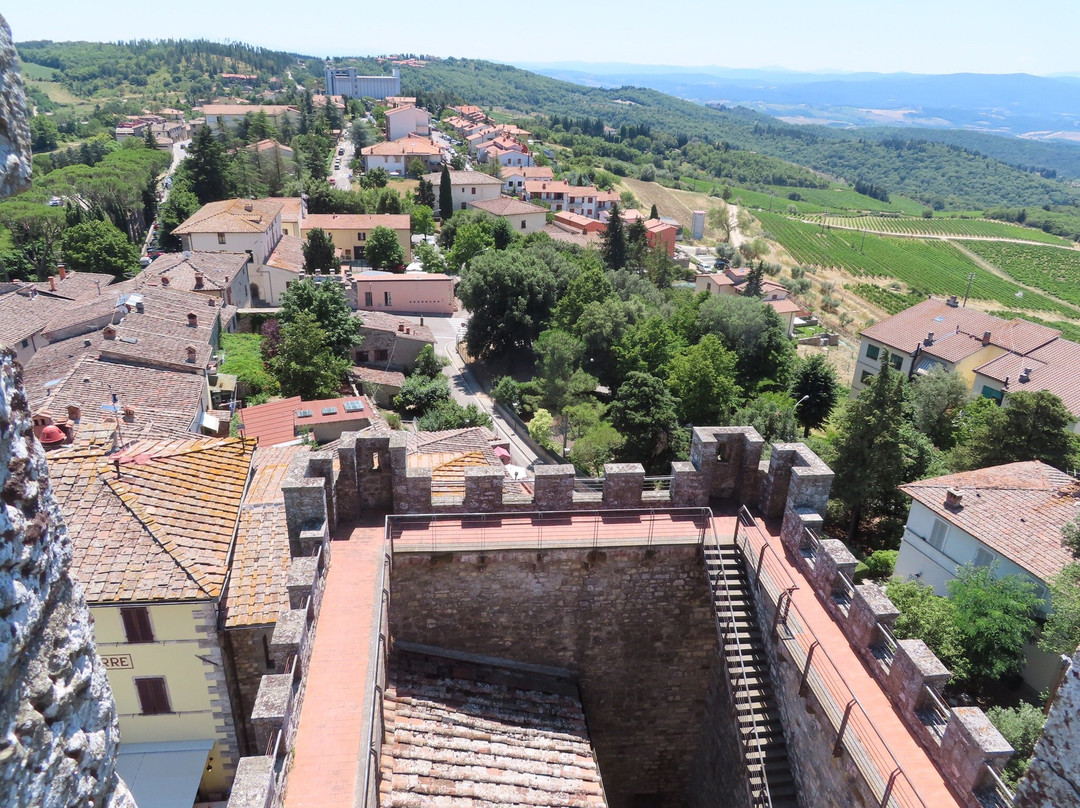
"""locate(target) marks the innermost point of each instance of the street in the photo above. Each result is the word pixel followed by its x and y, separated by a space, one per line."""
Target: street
pixel 340 175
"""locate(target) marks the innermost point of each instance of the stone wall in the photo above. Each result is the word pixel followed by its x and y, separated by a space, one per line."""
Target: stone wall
pixel 15 164
pixel 721 778
pixel 58 729
pixel 636 625
pixel 1053 778
pixel 248 658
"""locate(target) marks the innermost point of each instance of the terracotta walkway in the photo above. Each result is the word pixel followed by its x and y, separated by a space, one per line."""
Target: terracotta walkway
pixel 326 771
pixel 848 670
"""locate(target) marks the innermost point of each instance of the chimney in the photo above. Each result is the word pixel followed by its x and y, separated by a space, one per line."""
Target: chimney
pixel 86 343
pixel 192 319
pixel 210 302
pixel 61 270
pixel 249 207
pixel 952 302
pixel 164 280
pixel 109 332
pixel 1025 376
pixel 74 412
pixel 198 280
pixel 401 327
pixel 986 338
pixel 954 499
pixel 191 352
pixel 929 339
pixel 140 307
pixel 129 414
pixel 52 283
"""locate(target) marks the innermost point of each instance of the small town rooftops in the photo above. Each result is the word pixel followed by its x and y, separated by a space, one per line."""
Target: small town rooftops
pixel 232 216
pixel 464 178
pixel 1017 509
pixel 1054 367
pixel 356 221
pixel 528 172
pixel 507 206
pixel 405 329
pixel 411 144
pixel 198 271
pixel 288 254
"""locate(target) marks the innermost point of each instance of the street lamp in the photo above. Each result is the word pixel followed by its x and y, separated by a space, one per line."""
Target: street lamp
pixel 800 401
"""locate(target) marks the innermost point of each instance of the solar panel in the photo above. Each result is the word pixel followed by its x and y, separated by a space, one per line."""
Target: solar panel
pixel 354 406
pixel 304 413
pixel 329 410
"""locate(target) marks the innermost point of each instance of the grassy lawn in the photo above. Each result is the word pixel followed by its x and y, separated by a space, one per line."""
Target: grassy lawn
pixel 30 70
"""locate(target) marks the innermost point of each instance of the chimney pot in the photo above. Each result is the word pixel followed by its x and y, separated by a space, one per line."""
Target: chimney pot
pixel 62 271
pixel 192 319
pixel 129 414
pixel 164 280
pixel 109 332
pixel 74 412
pixel 401 327
pixel 140 307
pixel 198 280
pixel 249 207
pixel 929 338
pixel 954 498
pixel 191 352
pixel 52 283
pixel 986 338
pixel 86 343
pixel 210 302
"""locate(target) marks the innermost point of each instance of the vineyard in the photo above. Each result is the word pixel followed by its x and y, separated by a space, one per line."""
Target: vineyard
pixel 933 267
pixel 885 299
pixel 1056 272
pixel 811 200
pixel 981 228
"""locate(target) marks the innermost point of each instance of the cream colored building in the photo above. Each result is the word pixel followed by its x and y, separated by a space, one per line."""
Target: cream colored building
pixel 350 231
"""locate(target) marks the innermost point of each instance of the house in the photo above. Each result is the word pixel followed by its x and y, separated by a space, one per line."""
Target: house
pixel 152 527
pixel 321 100
pixel 267 152
pixel 407 120
pixel 514 177
pixel 284 421
pixel 286 262
pixel 24 316
pixel 505 149
pixel 552 193
pixel 395 156
pixel 1054 367
pixel 470 113
pixel 661 233
pixel 379 386
pixel 227 116
pixel 576 223
pixel 223 275
pixel 523 217
pixel 732 281
pixel 349 231
pixel 251 226
pixel 466 188
pixel 605 199
pixel 400 100
pixel 1009 516
pixel 582 201
pixel 403 293
pixel 389 342
pixel 943 333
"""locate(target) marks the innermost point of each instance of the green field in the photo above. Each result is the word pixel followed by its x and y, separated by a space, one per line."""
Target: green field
pixel 985 228
pixel 886 299
pixel 29 70
pixel 812 200
pixel 1055 271
pixel 927 267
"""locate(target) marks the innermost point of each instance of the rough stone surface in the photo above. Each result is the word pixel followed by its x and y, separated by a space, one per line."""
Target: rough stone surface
pixel 58 728
pixel 636 625
pixel 15 165
pixel 1053 778
pixel 719 781
pixel 623 483
pixel 554 487
pixel 253 783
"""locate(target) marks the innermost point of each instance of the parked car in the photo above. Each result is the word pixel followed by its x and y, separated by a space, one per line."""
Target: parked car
pixel 333 181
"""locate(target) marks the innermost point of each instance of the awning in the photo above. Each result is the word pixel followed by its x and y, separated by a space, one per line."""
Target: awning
pixel 163 775
pixel 502 454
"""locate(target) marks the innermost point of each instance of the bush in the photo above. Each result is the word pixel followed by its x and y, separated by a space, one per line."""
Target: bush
pixel 1021 725
pixel 880 564
pixel 244 359
pixel 393 420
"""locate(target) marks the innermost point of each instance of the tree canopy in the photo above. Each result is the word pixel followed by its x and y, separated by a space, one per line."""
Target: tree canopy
pixel 326 303
pixel 382 248
pixel 319 251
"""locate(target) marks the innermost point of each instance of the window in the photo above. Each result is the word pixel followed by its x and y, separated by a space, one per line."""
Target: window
pixel 153 697
pixel 937 535
pixel 984 558
pixel 381 355
pixel 872 352
pixel 522 224
pixel 361 236
pixel 473 191
pixel 367 300
pixel 896 360
pixel 992 394
pixel 362 356
pixel 386 299
pixel 220 238
pixel 866 375
pixel 463 206
pixel 26 342
pixel 137 626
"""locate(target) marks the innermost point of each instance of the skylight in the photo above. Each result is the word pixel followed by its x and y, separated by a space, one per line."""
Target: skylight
pixel 304 413
pixel 354 406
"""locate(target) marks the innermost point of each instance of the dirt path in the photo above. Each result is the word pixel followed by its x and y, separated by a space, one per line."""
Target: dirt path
pixel 737 236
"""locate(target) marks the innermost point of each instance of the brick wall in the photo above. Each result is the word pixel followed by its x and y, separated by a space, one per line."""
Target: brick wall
pixel 635 624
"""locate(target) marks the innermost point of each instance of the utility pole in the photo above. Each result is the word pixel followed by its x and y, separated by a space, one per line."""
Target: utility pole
pixel 971 277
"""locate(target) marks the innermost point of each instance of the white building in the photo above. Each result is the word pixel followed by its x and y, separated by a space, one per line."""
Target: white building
pixel 395 155
pixel 345 81
pixel 467 188
pixel 408 120
pixel 1009 516
pixel 523 217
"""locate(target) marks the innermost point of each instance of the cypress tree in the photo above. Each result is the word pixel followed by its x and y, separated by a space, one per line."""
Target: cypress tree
pixel 446 195
pixel 614 250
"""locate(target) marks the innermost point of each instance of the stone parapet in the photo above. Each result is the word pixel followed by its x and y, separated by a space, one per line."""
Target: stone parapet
pixel 913 667
pixel 687 486
pixel 870 610
pixel 303 573
pixel 969 745
pixel 272 707
pixel 728 459
pixel 483 489
pixel 253 785
pixel 417 494
pixel 554 487
pixel 623 484
pixel 290 631
pixel 833 569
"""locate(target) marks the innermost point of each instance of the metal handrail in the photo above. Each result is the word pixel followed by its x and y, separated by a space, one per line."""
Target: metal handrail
pixel 884 776
pixel 938 709
pixel 1000 789
pixel 377 671
pixel 764 798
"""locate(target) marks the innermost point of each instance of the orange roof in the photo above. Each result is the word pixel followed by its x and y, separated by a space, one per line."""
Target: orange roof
pixel 272 422
pixel 232 216
pixel 356 221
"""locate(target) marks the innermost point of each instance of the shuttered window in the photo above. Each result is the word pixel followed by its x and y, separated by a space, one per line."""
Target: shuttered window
pixel 153 697
pixel 137 626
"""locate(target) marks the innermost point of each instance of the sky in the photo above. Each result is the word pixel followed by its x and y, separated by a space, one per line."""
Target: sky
pixel 915 36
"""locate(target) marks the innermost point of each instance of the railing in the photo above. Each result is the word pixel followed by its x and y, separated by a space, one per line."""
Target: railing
pixel 378 651
pixel 999 794
pixel 728 638
pixel 594 485
pixel 933 712
pixel 885 650
pixel 855 731
pixel 657 483
pixel 539 530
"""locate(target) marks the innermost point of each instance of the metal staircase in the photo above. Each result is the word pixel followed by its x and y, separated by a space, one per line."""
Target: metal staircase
pixel 760 728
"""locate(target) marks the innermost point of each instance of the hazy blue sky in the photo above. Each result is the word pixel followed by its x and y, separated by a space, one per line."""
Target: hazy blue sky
pixel 919 36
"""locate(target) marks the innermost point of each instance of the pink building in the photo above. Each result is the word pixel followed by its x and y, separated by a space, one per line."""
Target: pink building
pixel 407 293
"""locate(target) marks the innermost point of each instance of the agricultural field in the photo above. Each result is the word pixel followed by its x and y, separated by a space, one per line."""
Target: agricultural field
pixel 886 299
pixel 976 228
pixel 29 70
pixel 1055 271
pixel 926 266
pixel 840 198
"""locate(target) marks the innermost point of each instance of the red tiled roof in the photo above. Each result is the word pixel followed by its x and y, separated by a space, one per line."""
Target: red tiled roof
pixel 271 423
pixel 356 221
pixel 288 254
pixel 386 378
pixel 1055 367
pixel 507 206
pixel 1017 509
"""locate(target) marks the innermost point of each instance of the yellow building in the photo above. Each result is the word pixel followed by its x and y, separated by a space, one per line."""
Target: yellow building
pixel 153 525
pixel 350 231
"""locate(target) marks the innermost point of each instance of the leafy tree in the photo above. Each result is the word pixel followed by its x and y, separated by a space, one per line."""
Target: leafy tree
pixel 327 304
pixel 35 231
pixel 362 135
pixel 753 282
pixel 449 414
pixel 660 268
pixel 614 246
pixel 501 233
pixel 376 178
pixel 1021 726
pixel 772 415
pixel 936 401
pixel 590 285
pixel 540 428
pixel 702 379
pixel 756 334
pixel 97 246
pixel 382 248
pixel 995 617
pixel 598 446
pixel 645 412
pixel 306 364
pixel 470 240
pixel 881 563
pixel 720 220
pixel 425 194
pixel 422 220
pixel 1061 634
pixel 653 212
pixel 558 355
pixel 428 363
pixel 420 394
pixel 1070 536
pixel 446 195
pixel 319 251
pixel 181 205
pixel 1031 426
pixel 932 619
pixel 648 347
pixel 600 327
pixel 389 201
pixel 430 257
pixel 44 134
pixel 816 389
pixel 507 391
pixel 416 167
pixel 205 166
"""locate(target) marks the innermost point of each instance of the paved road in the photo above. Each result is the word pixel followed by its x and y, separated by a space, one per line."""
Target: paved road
pixel 463 384
pixel 341 175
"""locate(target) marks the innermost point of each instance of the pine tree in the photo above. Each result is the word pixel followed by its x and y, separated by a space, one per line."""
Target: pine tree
pixel 614 249
pixel 653 212
pixel 753 282
pixel 446 195
pixel 205 165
